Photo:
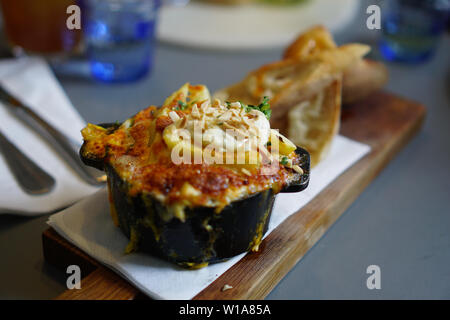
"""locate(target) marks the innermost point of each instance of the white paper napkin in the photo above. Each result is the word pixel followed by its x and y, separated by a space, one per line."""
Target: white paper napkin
pixel 31 80
pixel 88 225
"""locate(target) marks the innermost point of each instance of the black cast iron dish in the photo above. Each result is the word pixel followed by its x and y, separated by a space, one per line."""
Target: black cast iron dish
pixel 205 236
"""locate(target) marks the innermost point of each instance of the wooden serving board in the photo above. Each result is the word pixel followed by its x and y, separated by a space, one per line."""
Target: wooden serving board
pixel 383 121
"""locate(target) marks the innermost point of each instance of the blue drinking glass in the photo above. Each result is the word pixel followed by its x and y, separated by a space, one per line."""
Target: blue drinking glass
pixel 120 37
pixel 411 29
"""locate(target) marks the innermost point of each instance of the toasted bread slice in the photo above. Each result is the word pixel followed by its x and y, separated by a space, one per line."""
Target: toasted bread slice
pixel 314 123
pixel 290 81
pixel 304 91
pixel 360 79
pixel 363 78
pixel 310 43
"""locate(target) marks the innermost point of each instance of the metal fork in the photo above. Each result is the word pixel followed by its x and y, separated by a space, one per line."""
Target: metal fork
pixel 28 174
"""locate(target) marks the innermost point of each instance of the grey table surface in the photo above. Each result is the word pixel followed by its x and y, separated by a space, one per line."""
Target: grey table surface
pixel 401 221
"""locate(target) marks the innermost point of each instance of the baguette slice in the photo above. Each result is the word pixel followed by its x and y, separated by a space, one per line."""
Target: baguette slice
pixel 315 122
pixel 363 78
pixel 304 91
pixel 309 43
pixel 360 79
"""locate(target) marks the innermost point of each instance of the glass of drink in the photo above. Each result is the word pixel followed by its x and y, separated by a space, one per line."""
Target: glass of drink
pixel 120 37
pixel 39 27
pixel 411 29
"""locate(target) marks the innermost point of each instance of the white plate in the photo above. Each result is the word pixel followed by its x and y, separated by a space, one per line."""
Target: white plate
pixel 253 26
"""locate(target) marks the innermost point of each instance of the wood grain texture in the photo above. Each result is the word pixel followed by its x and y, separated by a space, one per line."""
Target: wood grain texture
pixel 382 120
pixel 101 284
pixel 61 254
pixel 98 282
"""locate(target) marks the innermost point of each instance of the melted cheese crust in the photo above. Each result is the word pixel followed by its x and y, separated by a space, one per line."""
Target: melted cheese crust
pixel 140 152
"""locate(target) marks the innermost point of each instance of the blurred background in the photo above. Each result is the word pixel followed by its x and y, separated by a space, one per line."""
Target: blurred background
pixel 124 46
pixel 129 54
pixel 116 40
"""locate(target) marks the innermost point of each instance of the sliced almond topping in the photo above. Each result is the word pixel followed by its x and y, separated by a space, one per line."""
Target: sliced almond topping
pixel 225 116
pixel 297 169
pixel 235 112
pixel 206 107
pixel 236 130
pixel 247 121
pixel 253 131
pixel 174 116
pixel 228 126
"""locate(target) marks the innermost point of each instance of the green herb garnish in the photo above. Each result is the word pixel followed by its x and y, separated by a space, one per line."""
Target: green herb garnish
pixel 181 105
pixel 284 161
pixel 264 107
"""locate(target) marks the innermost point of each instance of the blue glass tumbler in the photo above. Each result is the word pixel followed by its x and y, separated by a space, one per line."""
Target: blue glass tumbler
pixel 411 29
pixel 120 37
